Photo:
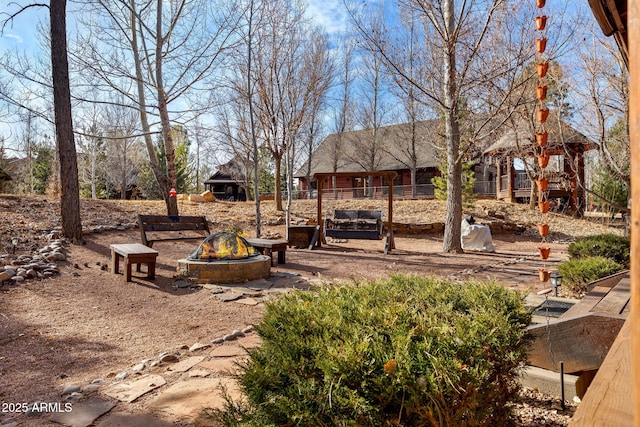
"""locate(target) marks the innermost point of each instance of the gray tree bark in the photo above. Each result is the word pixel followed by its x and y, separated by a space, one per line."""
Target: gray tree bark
pixel 70 191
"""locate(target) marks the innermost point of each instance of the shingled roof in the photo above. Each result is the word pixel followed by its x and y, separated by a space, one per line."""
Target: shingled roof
pixel 391 157
pixel 523 142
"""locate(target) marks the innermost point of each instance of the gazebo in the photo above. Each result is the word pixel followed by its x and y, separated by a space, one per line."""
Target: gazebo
pixel 564 148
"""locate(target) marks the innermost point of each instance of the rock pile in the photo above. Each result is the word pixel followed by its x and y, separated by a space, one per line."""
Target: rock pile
pixel 43 264
pixel 497 227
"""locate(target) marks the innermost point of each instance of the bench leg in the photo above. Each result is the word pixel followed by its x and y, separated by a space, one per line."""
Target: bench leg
pixel 281 254
pixel 128 273
pixel 151 269
pixel 268 252
pixel 115 262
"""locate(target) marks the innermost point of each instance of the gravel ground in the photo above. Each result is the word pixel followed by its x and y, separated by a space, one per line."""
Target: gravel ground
pixel 27 220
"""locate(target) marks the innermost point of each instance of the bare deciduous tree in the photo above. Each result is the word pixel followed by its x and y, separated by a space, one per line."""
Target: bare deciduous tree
pixel 122 153
pixel 173 49
pixel 414 110
pixel 372 109
pixel 285 82
pixel 459 40
pixel 602 82
pixel 320 80
pixel 343 116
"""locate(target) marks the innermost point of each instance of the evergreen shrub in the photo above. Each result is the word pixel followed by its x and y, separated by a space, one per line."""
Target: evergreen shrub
pixel 408 351
pixel 610 246
pixel 578 273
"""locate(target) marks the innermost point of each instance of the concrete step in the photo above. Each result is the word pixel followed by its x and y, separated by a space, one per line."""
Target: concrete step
pixel 548 382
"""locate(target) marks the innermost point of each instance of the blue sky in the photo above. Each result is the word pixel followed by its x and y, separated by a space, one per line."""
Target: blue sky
pixel 328 14
pixel 22 32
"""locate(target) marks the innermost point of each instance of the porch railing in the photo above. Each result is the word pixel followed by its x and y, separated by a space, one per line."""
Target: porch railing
pixel 423 191
pixel 521 182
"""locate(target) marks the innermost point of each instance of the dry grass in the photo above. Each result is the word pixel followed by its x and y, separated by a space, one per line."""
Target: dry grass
pixel 29 218
pixel 404 211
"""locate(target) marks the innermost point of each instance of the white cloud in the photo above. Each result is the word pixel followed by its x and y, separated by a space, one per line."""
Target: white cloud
pixel 329 14
pixel 15 38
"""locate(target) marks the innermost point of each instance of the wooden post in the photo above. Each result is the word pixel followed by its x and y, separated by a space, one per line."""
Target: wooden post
pixel 320 179
pixel 510 197
pixel 498 178
pixel 573 179
pixel 634 133
pixel 392 244
pixel 581 194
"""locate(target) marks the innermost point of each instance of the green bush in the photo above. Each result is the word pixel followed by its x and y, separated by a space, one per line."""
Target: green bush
pixel 408 351
pixel 610 246
pixel 578 273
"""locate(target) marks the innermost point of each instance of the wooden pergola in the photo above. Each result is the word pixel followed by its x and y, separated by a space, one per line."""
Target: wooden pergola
pixel 388 175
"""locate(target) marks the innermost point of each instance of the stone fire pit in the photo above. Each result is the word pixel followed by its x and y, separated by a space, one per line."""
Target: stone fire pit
pixel 226 271
pixel 224 257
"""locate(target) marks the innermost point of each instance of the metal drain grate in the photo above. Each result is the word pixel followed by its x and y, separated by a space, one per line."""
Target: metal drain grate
pixel 552 308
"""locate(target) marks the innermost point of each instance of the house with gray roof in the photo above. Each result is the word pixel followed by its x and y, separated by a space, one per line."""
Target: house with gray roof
pixel 408 148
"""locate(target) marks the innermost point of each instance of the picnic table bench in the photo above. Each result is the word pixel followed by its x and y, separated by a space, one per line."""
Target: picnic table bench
pixel 156 228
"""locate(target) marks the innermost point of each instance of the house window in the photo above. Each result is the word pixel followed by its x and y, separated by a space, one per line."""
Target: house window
pixel 424 177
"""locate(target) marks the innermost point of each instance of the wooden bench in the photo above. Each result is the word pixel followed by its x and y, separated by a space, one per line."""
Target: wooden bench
pixel 133 253
pixel 157 228
pixel 354 224
pixel 269 246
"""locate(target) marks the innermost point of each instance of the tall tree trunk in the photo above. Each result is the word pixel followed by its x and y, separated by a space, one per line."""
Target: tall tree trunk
pixel 254 140
pixel 154 163
pixel 170 152
pixel 123 178
pixel 288 158
pixel 310 153
pixel 94 154
pixel 414 185
pixel 453 218
pixel 70 191
pixel 278 182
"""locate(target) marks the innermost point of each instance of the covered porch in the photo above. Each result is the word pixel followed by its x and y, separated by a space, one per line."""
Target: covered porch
pixel 520 160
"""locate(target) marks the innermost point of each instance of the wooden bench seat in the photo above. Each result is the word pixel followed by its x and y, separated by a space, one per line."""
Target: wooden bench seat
pixel 268 246
pixel 617 300
pixel 157 228
pixel 133 253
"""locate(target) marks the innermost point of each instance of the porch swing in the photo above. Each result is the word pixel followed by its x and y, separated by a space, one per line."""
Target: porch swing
pixel 355 223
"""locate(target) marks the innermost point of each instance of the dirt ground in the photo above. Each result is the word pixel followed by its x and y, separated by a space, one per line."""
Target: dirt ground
pixel 87 323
